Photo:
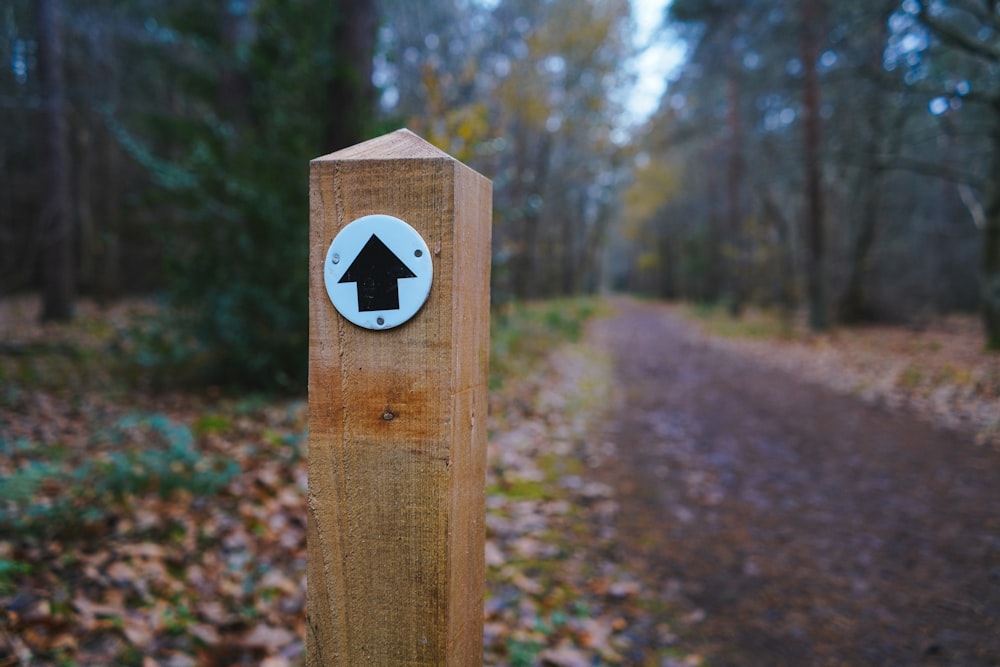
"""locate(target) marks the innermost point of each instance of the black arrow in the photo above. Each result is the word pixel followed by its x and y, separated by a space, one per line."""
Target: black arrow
pixel 376 270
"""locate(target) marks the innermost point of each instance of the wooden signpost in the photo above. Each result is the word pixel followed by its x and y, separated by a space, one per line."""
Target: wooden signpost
pixel 397 406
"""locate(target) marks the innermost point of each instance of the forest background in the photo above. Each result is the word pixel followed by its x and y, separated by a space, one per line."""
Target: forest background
pixel 840 158
pixel 833 162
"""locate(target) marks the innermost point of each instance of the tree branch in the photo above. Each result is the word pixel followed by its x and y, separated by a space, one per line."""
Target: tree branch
pixel 950 34
pixel 933 170
pixel 972 205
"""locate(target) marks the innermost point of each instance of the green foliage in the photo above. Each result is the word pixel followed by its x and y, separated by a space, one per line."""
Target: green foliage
pixel 754 323
pixel 522 334
pixel 56 365
pixel 523 653
pixel 910 377
pixel 57 498
pixel 239 270
pixel 159 346
pixel 254 82
pixel 211 423
pixel 10 571
pixel 521 490
pixel 655 183
pixel 170 464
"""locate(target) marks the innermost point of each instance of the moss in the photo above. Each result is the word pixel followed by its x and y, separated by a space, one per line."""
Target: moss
pixel 756 324
pixel 910 377
pixel 523 334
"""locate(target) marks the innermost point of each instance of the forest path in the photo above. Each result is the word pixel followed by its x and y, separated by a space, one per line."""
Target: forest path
pixel 798 526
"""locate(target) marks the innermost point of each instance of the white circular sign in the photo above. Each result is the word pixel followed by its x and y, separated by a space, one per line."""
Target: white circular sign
pixel 378 272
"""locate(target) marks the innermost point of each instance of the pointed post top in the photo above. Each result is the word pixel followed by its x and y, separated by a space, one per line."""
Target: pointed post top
pixel 400 144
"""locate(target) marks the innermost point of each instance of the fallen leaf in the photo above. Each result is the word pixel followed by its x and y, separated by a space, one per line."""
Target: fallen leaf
pixel 213 611
pixel 565 656
pixel 275 662
pixel 143 550
pixel 267 637
pixel 276 580
pixel 206 633
pixel 65 642
pixel 137 630
pixel 622 589
pixel 494 556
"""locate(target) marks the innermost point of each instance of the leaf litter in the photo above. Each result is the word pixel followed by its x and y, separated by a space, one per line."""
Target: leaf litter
pixel 168 529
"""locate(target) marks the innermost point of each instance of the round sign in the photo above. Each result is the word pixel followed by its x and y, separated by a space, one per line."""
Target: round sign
pixel 378 272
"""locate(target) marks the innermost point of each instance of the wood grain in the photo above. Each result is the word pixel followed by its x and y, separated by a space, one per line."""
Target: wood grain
pixel 396 507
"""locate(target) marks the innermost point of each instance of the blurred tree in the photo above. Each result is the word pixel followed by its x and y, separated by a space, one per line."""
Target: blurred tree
pixel 810 34
pixel 722 47
pixel 276 93
pixel 351 96
pixel 20 169
pixel 560 103
pixel 973 29
pixel 195 153
pixel 104 189
pixel 712 105
pixel 56 216
pixel 221 168
pixel 877 127
pixel 757 142
pixel 653 188
pixel 529 94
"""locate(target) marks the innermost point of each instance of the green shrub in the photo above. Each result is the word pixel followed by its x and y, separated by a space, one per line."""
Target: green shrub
pixel 152 454
pixel 10 572
pixel 522 334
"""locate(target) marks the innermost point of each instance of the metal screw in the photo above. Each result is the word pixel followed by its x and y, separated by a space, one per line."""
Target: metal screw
pixel 335 259
pixel 387 415
pixel 418 253
pixel 380 320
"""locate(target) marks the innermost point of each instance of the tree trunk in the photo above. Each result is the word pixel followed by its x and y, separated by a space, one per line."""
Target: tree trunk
pixel 784 289
pixel 88 234
pixel 109 281
pixel 570 260
pixel 853 307
pixel 811 144
pixel 351 93
pixel 736 288
pixel 57 218
pixel 594 240
pixel 990 258
pixel 991 245
pixel 527 271
pixel 234 89
pixel 883 137
pixel 711 280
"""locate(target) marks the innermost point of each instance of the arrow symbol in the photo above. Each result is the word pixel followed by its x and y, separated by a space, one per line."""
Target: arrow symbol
pixel 376 271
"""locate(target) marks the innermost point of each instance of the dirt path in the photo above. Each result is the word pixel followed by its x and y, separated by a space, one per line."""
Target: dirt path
pixel 799 527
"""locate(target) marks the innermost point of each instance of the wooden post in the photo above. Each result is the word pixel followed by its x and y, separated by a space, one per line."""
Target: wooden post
pixel 397 421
